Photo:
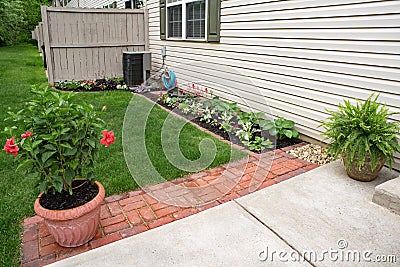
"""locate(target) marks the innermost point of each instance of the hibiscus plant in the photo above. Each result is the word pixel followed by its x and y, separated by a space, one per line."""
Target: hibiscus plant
pixel 55 139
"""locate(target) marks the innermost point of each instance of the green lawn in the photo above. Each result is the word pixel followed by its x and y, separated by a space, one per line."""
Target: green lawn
pixel 20 67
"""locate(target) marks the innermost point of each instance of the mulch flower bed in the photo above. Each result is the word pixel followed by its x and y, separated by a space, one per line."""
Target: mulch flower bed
pixel 279 143
pixel 104 84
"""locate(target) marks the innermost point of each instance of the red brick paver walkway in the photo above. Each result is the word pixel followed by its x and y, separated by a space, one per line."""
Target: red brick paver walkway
pixel 131 213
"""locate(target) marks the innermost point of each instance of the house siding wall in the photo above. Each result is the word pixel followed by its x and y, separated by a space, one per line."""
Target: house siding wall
pixel 95 3
pixel 294 58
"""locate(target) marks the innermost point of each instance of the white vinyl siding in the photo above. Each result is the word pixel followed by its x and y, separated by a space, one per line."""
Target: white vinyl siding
pixel 294 58
pixel 96 3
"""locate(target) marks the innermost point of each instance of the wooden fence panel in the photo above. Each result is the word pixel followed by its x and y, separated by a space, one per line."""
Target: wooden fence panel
pixel 88 43
pixel 37 34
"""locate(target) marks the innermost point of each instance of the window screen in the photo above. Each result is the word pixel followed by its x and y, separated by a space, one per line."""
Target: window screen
pixel 175 21
pixel 195 19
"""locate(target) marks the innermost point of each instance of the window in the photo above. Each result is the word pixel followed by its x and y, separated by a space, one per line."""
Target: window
pixel 186 19
pixel 195 19
pixel 175 21
pixel 190 20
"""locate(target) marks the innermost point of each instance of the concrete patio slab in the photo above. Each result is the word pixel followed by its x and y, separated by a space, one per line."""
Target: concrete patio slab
pixel 324 210
pixel 223 236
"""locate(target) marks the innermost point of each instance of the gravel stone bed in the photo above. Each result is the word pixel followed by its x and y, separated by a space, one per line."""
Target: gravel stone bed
pixel 312 153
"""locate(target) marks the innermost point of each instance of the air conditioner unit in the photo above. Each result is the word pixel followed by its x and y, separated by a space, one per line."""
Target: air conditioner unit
pixel 136 67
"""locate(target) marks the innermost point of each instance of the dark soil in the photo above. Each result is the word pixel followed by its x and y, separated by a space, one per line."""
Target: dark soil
pixel 285 142
pixel 83 191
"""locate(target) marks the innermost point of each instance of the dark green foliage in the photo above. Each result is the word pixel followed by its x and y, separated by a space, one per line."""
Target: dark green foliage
pixel 11 21
pixel 18 19
pixel 361 130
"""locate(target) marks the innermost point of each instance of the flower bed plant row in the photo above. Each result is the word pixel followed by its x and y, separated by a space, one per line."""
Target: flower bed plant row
pixel 104 84
pixel 249 129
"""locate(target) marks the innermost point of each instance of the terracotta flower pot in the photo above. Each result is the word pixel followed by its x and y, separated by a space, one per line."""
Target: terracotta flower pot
pixel 73 227
pixel 365 174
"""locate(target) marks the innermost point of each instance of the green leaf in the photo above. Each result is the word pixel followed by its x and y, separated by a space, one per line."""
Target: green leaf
pixel 288 124
pixel 69 176
pixel 90 176
pixel 66 145
pixel 70 151
pixel 23 164
pixel 36 143
pixel 47 155
pixel 266 124
pixel 66 137
pixel 43 186
pixel 50 147
pixel 272 131
pixel 58 186
pixel 81 135
pixel 288 133
pixel 74 164
pixel 92 143
pixel 65 130
pixel 259 115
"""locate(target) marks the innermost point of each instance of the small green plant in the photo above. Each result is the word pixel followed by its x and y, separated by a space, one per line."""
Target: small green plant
pixel 59 139
pixel 248 125
pixel 226 112
pixel 196 107
pixel 207 116
pixel 362 130
pixel 258 144
pixel 184 107
pixel 209 112
pixel 280 128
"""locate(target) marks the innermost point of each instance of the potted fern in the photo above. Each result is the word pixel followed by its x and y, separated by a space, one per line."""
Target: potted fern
pixel 56 141
pixel 363 137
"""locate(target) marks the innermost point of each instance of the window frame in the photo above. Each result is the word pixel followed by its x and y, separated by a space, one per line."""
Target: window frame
pixel 184 3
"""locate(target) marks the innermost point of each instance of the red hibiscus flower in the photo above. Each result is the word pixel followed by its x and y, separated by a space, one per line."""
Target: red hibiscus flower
pixel 27 134
pixel 108 138
pixel 11 147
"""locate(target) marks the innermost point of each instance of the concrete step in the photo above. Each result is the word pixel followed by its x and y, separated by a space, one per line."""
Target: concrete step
pixel 388 195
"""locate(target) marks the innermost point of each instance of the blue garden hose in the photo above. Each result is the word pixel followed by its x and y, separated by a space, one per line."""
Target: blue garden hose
pixel 169 80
